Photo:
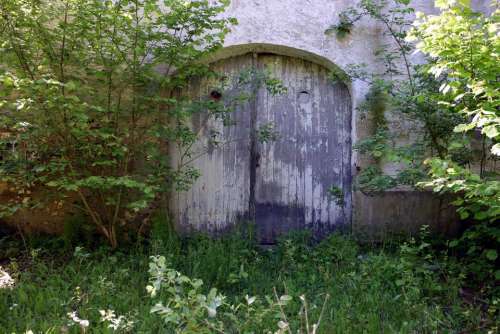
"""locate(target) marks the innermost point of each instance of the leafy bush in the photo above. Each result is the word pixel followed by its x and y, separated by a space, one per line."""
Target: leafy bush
pixel 87 94
pixel 186 310
pixel 478 200
pixel 452 100
pixel 463 46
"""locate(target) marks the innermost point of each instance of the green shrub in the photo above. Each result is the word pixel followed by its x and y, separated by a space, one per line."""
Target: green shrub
pixel 82 92
pixel 413 287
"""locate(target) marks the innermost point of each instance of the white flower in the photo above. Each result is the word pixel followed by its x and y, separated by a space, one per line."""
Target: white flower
pixel 250 300
pixel 6 282
pixel 24 124
pixel 282 324
pixel 76 320
pixel 116 322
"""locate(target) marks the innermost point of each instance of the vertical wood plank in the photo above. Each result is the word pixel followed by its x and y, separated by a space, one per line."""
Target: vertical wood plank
pixel 220 196
pixel 311 155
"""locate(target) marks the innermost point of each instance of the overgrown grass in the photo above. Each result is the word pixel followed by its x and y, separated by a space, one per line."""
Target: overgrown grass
pixel 406 288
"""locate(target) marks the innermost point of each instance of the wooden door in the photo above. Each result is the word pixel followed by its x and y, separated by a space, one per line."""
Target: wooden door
pixel 312 152
pixel 282 185
pixel 220 196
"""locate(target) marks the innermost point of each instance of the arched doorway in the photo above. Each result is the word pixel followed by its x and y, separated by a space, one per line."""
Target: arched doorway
pixel 284 184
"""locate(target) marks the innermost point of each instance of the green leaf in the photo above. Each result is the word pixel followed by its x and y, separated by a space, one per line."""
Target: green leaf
pixel 442 3
pixel 491 254
pixel 464 215
pixel 481 215
pixel 496 149
pixel 491 131
pixel 7 81
pixel 455 145
pixel 464 127
pixel 71 85
pixel 285 298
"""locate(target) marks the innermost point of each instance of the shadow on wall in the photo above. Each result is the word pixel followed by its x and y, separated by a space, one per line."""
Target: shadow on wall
pixel 47 220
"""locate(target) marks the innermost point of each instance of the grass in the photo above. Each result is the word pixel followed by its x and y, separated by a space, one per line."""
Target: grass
pixel 408 288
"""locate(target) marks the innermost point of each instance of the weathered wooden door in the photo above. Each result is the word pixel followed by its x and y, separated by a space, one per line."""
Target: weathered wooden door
pixel 284 184
pixel 312 153
pixel 220 196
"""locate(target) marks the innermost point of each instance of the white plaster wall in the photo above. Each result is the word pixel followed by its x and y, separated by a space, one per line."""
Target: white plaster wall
pixel 300 24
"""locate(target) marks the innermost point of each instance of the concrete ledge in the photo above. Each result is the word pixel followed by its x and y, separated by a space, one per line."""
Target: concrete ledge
pixel 402 212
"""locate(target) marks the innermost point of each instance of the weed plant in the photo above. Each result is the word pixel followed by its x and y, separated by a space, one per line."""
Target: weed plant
pixel 408 287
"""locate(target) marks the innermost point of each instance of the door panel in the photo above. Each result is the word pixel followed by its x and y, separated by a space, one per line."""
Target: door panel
pixel 311 155
pixel 220 196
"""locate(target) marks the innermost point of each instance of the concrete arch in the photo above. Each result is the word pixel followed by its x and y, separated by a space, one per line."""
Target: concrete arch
pixel 241 49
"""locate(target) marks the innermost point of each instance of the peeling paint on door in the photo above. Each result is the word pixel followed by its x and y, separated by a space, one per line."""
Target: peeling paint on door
pixel 282 185
pixel 312 153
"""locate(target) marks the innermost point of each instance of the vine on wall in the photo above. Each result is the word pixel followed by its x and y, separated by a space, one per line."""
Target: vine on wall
pixel 454 100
